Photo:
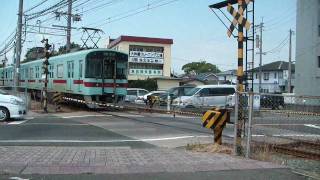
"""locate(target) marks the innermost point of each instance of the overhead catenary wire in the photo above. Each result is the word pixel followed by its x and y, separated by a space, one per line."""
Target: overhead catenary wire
pixel 127 14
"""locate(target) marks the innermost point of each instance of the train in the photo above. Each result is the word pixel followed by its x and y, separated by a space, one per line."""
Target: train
pixel 98 75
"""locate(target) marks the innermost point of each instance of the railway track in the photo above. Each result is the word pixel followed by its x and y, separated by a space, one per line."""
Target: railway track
pixel 304 149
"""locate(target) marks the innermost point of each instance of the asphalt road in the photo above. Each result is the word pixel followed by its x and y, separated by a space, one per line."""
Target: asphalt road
pixel 140 130
pixel 137 131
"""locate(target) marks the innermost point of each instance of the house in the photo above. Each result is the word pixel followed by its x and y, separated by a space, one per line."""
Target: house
pixel 274 77
pixel 200 79
pixel 228 77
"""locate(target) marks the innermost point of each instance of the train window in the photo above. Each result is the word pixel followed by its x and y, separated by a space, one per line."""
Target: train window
pixel 37 71
pixel 80 68
pixel 108 69
pixel 72 69
pixel 93 68
pixel 60 70
pixel 31 73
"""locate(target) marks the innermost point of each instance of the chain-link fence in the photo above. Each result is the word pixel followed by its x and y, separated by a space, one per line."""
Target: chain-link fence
pixel 279 128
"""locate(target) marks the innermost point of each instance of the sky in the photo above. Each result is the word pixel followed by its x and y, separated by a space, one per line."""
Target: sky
pixel 196 32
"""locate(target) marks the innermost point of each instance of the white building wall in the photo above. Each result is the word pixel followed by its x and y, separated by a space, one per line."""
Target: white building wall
pixel 308 48
pixel 124 47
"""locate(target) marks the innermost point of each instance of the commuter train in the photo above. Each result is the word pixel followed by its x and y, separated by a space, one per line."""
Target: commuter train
pixel 92 75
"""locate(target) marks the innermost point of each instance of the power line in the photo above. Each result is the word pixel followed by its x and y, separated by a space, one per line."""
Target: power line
pixel 127 14
pixel 35 6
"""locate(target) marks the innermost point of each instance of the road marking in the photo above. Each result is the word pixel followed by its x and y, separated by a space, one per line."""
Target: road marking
pixel 28 118
pixel 17 122
pixel 288 135
pixel 312 126
pixel 102 141
pixel 285 125
pixel 17 178
pixel 129 115
pixel 83 116
pixel 57 124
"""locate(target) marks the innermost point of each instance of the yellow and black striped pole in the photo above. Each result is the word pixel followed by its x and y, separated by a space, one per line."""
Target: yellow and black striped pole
pixel 240 82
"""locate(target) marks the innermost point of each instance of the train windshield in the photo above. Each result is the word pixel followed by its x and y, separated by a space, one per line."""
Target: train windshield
pixel 106 65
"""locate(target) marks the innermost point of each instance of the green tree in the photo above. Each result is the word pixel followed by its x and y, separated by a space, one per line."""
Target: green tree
pixel 200 67
pixel 63 49
pixel 34 54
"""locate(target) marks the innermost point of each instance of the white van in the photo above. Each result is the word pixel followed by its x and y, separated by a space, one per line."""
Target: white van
pixel 134 93
pixel 207 96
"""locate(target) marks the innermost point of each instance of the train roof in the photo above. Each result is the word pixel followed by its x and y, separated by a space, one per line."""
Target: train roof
pixel 81 53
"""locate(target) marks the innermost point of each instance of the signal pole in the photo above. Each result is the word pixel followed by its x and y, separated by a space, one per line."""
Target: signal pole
pixel 69 15
pixel 289 66
pixel 45 72
pixel 18 46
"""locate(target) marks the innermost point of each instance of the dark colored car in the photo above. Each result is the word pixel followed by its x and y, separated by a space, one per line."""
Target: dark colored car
pixel 272 101
pixel 174 93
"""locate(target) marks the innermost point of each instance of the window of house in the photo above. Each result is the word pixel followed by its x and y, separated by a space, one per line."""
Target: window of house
pixel 280 75
pixel 60 70
pixel 256 75
pixel 275 75
pixel 266 76
pixel 318 61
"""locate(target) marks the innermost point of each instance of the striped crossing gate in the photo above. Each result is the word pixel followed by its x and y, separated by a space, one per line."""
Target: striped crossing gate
pixel 57 99
pixel 216 119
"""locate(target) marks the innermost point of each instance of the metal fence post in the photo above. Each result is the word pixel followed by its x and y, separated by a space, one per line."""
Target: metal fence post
pixel 250 106
pixel 236 110
pixel 168 103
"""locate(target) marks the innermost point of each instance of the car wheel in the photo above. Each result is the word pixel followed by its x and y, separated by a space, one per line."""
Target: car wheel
pixel 4 114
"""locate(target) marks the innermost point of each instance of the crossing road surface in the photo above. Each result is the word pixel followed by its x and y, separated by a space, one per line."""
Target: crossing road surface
pixel 127 144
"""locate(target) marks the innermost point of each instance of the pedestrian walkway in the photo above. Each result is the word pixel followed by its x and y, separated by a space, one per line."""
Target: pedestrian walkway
pixel 116 160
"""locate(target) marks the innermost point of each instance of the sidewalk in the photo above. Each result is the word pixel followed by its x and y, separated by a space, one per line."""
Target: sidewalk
pixel 117 160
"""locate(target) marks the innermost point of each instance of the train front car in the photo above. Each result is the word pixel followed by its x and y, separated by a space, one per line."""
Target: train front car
pixel 105 76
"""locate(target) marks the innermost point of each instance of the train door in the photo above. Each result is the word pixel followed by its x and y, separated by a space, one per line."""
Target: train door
pixel 70 70
pixel 80 75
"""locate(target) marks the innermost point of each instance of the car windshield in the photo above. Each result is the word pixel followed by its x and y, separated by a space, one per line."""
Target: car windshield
pixel 192 91
pixel 3 92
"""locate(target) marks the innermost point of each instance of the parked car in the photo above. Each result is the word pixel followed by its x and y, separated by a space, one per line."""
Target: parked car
pixel 11 106
pixel 272 101
pixel 152 93
pixel 207 95
pixel 134 93
pixel 174 93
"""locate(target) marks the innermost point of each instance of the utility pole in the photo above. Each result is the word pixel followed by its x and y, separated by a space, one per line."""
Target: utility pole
pixel 69 15
pixel 260 53
pixel 18 46
pixel 45 65
pixel 289 66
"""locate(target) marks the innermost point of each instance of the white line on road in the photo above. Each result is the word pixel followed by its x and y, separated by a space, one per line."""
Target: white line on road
pixel 283 124
pixel 288 135
pixel 83 116
pixel 102 141
pixel 312 126
pixel 17 122
pixel 129 115
pixel 56 124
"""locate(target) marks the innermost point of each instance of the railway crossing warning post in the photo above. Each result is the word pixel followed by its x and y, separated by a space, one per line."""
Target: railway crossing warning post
pixel 242 22
pixel 45 65
pixel 216 119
